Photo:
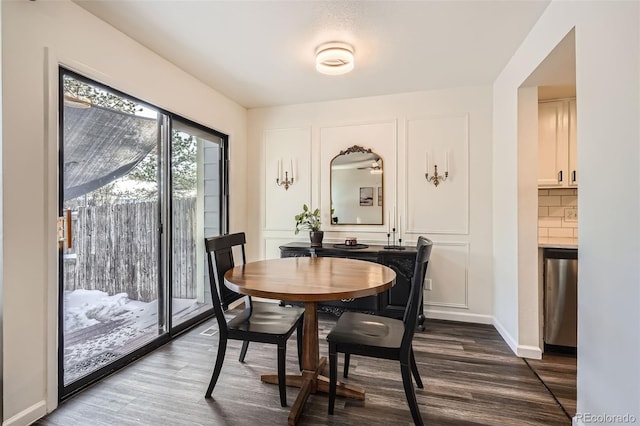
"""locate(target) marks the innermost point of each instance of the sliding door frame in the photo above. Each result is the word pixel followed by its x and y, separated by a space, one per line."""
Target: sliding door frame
pixel 163 234
pixel 223 176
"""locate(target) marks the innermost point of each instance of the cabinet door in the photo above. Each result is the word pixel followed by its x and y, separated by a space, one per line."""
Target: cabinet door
pixel 573 145
pixel 394 300
pixel 552 144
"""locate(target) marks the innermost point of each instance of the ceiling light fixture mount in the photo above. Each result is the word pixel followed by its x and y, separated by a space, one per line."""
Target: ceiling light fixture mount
pixel 334 58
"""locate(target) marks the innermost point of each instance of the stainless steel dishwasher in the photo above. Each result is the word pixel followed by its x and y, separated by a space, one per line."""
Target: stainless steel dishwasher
pixel 561 297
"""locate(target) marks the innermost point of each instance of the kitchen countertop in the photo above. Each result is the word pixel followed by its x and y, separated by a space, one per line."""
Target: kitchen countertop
pixel 558 242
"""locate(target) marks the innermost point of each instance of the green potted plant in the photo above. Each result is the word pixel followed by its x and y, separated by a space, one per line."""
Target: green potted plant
pixel 310 220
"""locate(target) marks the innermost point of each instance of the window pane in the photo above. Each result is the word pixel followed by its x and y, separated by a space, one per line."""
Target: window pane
pixel 195 176
pixel 109 199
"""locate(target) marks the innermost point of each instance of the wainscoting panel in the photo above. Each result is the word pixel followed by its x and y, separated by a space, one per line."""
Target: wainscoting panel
pixel 289 147
pixel 443 209
pixel 448 272
pixel 380 137
pixel 272 245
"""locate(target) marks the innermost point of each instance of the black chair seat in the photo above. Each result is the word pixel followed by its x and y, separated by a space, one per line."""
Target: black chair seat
pixel 268 321
pixel 363 330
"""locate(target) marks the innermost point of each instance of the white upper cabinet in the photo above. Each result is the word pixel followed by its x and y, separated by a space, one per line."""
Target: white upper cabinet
pixel 557 144
pixel 573 144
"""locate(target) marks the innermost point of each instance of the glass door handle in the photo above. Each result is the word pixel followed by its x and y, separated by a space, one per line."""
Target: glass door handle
pixel 61 233
pixel 69 228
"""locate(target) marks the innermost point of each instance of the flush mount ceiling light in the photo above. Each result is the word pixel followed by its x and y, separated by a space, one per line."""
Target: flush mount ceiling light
pixel 334 58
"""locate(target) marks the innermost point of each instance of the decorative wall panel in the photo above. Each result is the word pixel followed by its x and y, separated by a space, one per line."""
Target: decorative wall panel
pixel 448 272
pixel 380 137
pixel 272 245
pixel 437 141
pixel 288 148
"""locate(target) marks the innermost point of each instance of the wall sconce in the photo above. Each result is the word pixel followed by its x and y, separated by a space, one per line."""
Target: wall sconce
pixel 436 178
pixel 279 179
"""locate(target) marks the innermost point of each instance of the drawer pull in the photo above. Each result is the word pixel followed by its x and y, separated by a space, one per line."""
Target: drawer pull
pixel 347 300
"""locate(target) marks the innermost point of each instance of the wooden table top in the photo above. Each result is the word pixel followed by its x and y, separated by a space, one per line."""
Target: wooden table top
pixel 310 279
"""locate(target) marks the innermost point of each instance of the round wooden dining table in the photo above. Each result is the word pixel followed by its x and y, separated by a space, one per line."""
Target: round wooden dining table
pixel 310 280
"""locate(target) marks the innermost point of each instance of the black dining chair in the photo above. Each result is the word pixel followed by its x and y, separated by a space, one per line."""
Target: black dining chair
pixel 381 337
pixel 264 322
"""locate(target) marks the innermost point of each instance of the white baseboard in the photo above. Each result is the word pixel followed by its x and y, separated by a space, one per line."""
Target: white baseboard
pixel 509 340
pixel 531 352
pixel 458 316
pixel 28 415
pixel 523 351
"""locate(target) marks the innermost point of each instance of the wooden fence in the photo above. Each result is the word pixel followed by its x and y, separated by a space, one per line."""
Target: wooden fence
pixel 117 250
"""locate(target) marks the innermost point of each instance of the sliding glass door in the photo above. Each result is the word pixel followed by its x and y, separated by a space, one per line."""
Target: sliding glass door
pixel 196 206
pixel 139 190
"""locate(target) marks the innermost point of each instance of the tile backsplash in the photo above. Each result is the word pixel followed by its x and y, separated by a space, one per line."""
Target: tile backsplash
pixel 558 213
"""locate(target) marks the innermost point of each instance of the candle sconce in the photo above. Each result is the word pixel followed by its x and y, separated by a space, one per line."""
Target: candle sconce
pixel 286 182
pixel 437 178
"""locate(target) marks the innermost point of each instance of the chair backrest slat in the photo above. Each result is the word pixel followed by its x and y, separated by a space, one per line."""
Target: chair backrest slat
pixel 415 296
pixel 220 260
pixel 225 241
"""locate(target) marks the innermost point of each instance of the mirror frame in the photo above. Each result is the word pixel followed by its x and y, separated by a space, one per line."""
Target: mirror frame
pixel 351 150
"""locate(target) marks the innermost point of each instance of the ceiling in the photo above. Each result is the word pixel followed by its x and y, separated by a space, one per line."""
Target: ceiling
pixel 261 53
pixel 555 76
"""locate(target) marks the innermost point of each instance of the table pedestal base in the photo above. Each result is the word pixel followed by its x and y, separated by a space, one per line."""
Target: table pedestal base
pixel 311 382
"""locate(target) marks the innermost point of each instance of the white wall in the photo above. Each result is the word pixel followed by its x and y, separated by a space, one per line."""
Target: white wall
pixel 1 238
pixel 528 307
pixel 400 128
pixel 36 35
pixel 607 71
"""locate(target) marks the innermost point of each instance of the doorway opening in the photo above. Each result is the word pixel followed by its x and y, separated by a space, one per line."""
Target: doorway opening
pixel 548 213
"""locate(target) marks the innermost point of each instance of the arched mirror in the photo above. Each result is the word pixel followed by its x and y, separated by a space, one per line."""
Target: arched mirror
pixel 356 187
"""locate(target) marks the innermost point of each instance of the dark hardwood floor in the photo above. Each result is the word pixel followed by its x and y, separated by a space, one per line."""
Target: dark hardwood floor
pixel 470 375
pixel 558 373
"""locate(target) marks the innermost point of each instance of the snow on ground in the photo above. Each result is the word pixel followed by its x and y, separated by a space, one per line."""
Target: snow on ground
pixel 97 326
pixel 83 308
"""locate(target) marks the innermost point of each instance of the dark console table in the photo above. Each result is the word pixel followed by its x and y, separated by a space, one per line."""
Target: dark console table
pixel 390 303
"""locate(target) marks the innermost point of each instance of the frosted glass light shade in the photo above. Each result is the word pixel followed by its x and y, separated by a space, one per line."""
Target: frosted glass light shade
pixel 334 58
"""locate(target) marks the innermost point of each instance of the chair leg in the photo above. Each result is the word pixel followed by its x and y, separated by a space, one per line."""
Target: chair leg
pixel 299 343
pixel 282 379
pixel 222 348
pixel 414 370
pixel 410 394
pixel 347 359
pixel 333 376
pixel 243 351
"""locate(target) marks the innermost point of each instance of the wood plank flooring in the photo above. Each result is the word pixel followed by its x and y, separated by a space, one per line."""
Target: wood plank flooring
pixel 470 375
pixel 558 372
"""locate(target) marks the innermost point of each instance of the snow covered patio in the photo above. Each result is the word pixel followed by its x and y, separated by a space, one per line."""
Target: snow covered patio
pixel 100 328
